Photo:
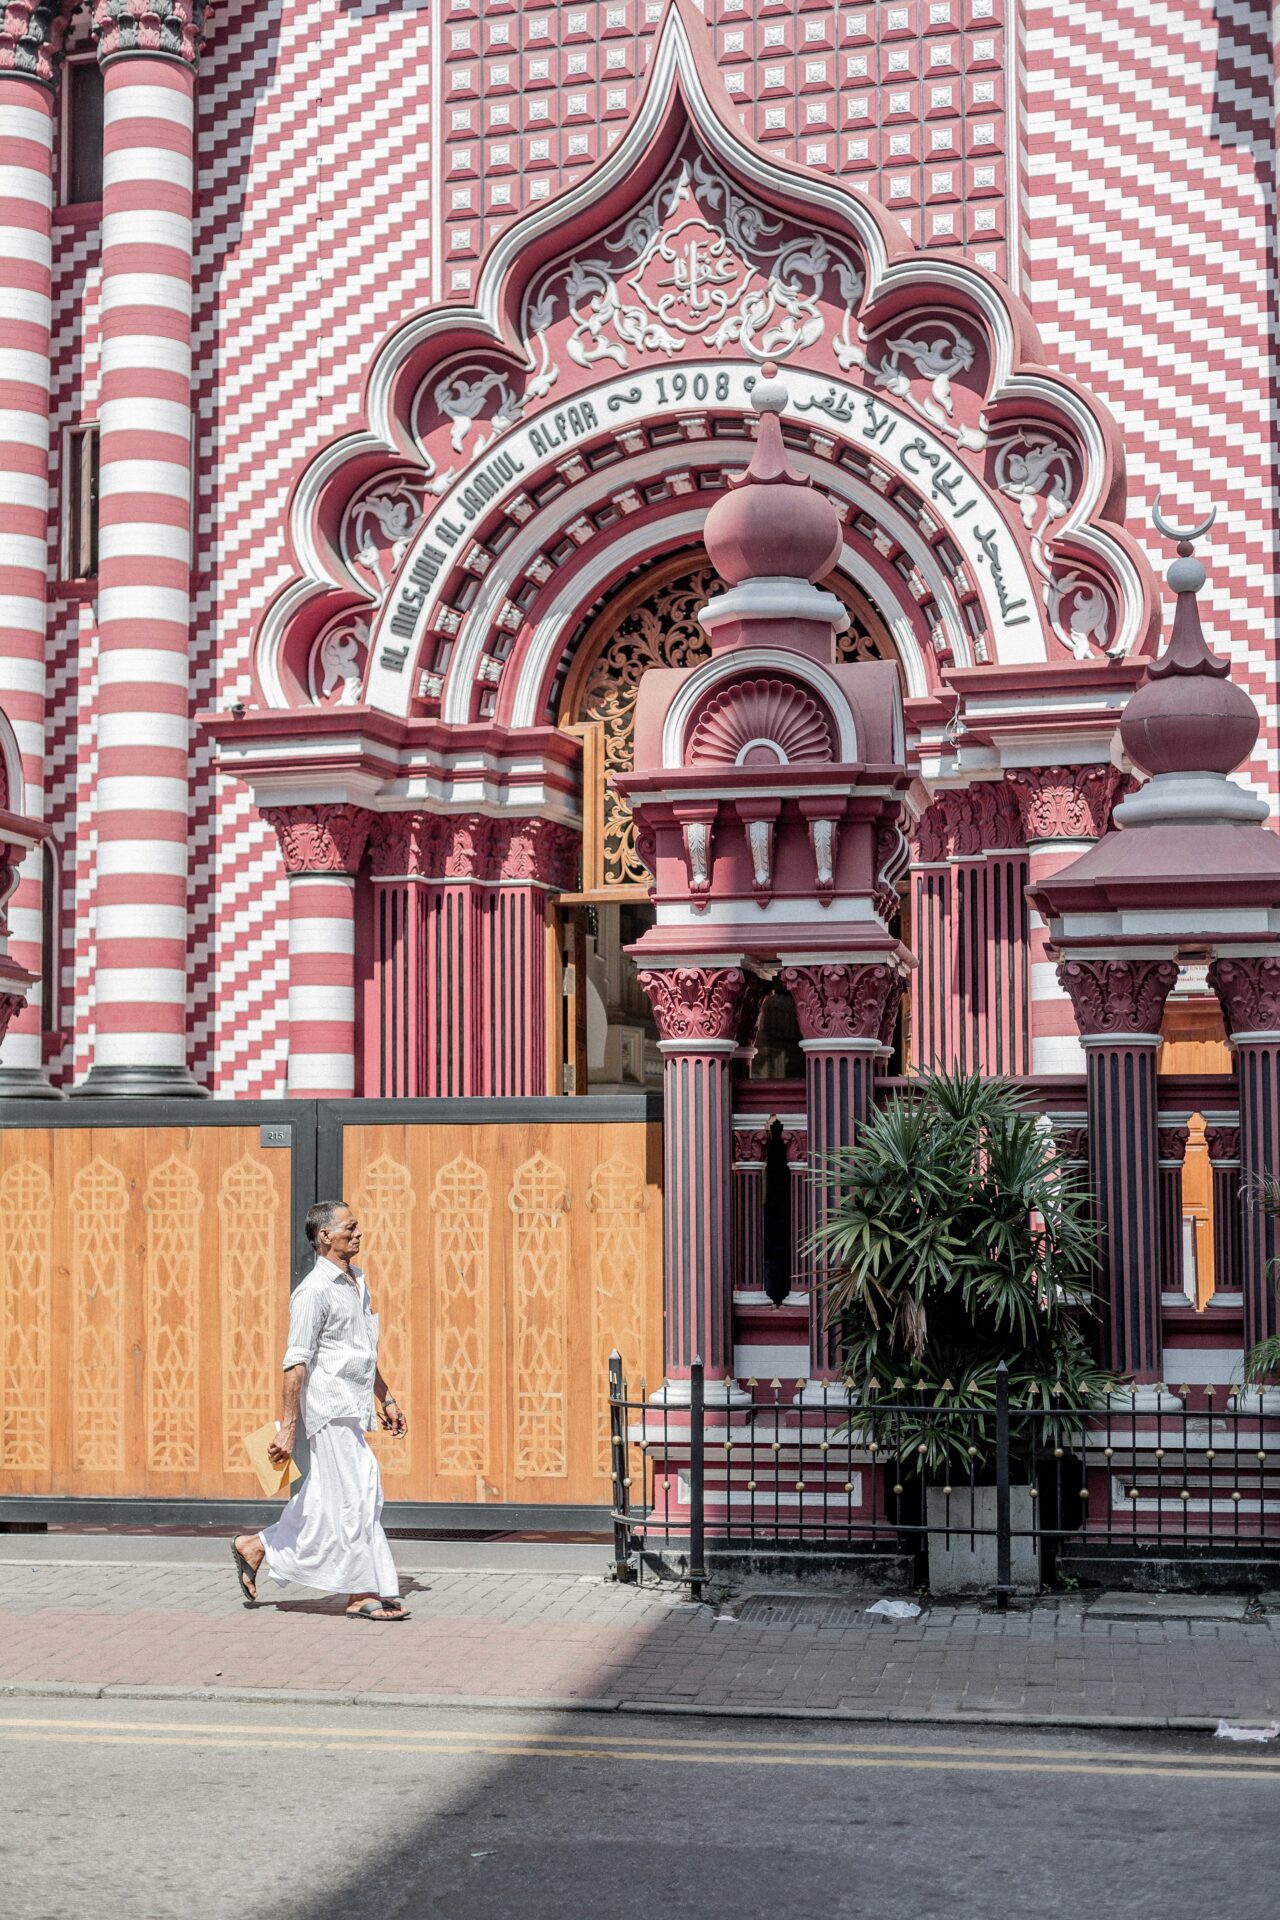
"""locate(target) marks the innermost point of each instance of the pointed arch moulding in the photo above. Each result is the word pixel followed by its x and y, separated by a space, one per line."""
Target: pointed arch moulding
pixel 522 456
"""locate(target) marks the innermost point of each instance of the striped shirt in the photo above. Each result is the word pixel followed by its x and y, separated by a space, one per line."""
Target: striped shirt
pixel 333 1333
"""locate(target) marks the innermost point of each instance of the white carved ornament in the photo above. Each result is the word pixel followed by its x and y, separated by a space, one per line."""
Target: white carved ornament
pixel 478 402
pixel 338 661
pixel 378 526
pixel 698 262
pixel 1039 472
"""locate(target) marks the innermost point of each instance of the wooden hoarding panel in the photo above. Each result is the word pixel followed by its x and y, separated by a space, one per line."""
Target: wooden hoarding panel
pixel 505 1262
pixel 142 1308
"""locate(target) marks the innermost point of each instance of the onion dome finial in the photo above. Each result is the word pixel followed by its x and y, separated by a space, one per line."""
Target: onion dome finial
pixel 773 523
pixel 1188 716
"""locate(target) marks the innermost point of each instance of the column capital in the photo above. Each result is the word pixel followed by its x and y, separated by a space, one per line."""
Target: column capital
pixel 1223 1144
pixel 172 29
pixel 841 1002
pixel 1248 991
pixel 32 33
pixel 1172 1144
pixel 1118 999
pixel 964 823
pixel 404 845
pixel 1072 1144
pixel 320 839
pixel 1066 803
pixel 694 1004
pixel 536 849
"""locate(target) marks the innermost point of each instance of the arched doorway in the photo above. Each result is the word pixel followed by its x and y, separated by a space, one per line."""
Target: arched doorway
pixel 651 621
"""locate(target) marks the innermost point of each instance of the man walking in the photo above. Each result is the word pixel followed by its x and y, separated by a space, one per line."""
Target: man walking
pixel 330 1535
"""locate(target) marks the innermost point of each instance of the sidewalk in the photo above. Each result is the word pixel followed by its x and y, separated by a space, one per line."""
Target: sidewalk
pixel 515 1625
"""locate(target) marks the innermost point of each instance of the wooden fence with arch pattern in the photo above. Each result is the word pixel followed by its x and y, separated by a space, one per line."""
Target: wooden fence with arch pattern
pixel 144 1292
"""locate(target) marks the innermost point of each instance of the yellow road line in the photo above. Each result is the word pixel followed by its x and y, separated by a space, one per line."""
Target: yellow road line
pixel 630 1742
pixel 516 1746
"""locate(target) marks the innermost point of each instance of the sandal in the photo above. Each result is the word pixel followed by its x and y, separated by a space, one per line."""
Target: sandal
pixel 378 1610
pixel 245 1576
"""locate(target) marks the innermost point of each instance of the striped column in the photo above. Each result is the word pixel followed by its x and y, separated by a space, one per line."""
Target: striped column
pixel 1064 810
pixel 26 205
pixel 144 566
pixel 846 1013
pixel 1118 1004
pixel 699 1013
pixel 1249 992
pixel 322 847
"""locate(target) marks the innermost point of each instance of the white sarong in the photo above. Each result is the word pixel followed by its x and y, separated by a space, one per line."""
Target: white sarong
pixel 330 1535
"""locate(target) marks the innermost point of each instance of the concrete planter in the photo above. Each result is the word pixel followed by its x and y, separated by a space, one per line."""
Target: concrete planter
pixel 961 1563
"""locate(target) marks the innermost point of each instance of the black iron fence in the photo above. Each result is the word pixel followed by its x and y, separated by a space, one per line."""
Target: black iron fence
pixel 701 1468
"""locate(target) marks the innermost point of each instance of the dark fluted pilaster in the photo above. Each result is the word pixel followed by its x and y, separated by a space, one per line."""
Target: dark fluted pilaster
pixel 699 1011
pixel 846 1014
pixel 1118 1005
pixel 1249 991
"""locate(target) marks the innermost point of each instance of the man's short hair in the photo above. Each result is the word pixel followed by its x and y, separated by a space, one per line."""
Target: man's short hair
pixel 323 1215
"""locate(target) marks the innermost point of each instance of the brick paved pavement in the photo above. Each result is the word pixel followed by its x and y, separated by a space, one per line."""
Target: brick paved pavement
pixel 569 1639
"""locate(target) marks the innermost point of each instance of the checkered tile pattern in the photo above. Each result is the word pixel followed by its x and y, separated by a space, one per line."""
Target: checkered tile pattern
pixel 1150 179
pixel 908 100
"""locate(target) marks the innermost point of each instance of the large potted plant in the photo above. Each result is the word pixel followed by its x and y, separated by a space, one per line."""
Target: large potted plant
pixel 957 1238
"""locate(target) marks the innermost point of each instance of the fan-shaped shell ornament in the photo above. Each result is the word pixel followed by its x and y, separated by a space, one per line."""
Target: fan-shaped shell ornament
pixel 760 723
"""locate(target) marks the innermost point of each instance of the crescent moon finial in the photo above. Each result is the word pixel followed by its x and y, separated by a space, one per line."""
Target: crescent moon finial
pixel 1180 533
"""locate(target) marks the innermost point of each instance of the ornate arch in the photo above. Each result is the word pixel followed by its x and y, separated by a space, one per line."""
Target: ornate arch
pixel 652 621
pixel 554 435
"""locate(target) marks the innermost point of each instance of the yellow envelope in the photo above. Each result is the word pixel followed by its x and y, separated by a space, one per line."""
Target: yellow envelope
pixel 273 1479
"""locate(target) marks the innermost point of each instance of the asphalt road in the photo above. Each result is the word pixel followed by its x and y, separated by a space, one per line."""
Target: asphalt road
pixel 161 1811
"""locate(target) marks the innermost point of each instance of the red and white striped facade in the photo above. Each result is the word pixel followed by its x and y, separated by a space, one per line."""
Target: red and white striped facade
pixel 256 318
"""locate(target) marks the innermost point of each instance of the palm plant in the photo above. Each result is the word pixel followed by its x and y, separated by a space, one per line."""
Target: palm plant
pixel 956 1239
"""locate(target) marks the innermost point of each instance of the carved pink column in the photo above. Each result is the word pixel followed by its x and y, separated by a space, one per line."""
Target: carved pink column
pixel 322 846
pixel 846 1014
pixel 1118 1006
pixel 933 987
pixel 402 853
pixel 1064 810
pixel 1249 991
pixel 1173 1153
pixel 1224 1161
pixel 531 860
pixel 699 1011
pixel 453 1003
pixel 969 932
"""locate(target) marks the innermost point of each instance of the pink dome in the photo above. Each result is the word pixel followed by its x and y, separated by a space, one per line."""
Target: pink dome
pixel 1188 716
pixel 773 521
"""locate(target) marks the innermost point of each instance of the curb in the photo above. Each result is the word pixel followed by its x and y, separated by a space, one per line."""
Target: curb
pixel 499 1703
